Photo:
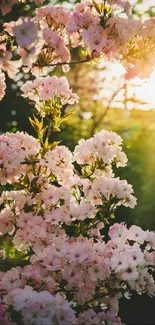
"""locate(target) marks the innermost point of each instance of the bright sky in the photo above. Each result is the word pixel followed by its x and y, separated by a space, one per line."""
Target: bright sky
pixel 143 90
pixel 145 5
pixel 146 91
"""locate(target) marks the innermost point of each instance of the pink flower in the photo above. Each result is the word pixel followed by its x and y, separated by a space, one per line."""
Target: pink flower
pixel 104 145
pixel 2 85
pixel 14 149
pixel 118 232
pixel 51 16
pixel 7 64
pixel 95 37
pixel 129 274
pixel 135 233
pixel 25 31
pixel 11 279
pixel 122 3
pixel 9 27
pixel 6 6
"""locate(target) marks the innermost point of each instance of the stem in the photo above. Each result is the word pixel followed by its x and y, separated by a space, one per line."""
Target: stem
pixel 48 130
pixel 88 59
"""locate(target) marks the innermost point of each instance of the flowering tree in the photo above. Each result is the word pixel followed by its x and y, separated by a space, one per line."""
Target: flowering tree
pixel 61 260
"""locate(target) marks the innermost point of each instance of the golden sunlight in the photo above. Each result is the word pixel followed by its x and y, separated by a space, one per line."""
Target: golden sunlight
pixel 140 94
pixel 145 90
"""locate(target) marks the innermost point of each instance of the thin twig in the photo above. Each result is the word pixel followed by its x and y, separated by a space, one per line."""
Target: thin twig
pixel 88 59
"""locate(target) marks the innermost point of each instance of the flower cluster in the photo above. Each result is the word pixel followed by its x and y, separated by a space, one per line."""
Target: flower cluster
pixel 4 316
pixel 59 264
pixel 40 307
pixel 99 272
pixel 126 39
pixel 49 93
pixel 29 40
pixel 55 220
pixel 139 53
pixel 14 150
pixel 103 148
pixel 47 39
pixel 35 216
pixel 52 21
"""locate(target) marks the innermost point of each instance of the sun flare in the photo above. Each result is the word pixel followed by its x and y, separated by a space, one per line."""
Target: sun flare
pixel 141 90
pixel 144 90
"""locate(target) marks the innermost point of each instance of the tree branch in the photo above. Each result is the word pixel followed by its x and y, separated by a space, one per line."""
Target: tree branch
pixel 88 59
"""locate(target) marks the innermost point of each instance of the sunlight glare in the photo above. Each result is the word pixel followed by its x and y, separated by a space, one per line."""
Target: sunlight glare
pixel 140 90
pixel 145 90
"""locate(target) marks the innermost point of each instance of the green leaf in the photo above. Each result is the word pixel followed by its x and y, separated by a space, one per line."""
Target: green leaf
pixel 54 144
pixel 42 132
pixel 97 7
pixel 33 124
pixel 36 124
